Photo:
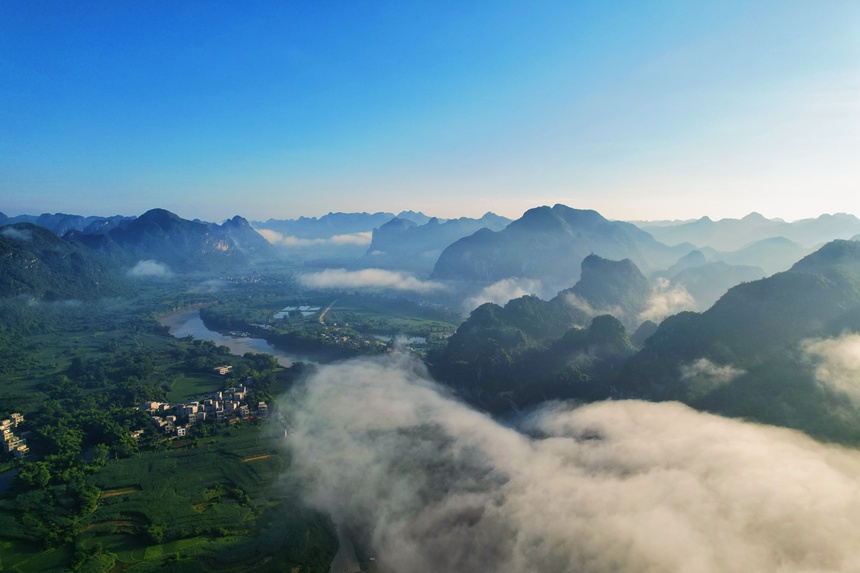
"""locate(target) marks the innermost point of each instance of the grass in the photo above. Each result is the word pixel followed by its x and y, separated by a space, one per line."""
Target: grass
pixel 193 386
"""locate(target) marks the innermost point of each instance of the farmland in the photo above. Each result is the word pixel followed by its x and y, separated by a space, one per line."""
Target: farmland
pixel 91 497
pixel 200 508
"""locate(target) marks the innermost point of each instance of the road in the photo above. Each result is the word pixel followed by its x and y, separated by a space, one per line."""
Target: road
pixel 345 560
pixel 328 308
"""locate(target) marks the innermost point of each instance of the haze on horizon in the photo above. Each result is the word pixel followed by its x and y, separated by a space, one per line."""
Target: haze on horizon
pixel 640 111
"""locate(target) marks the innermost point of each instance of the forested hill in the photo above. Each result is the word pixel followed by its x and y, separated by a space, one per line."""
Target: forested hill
pixel 749 356
pixel 167 238
pixel 36 262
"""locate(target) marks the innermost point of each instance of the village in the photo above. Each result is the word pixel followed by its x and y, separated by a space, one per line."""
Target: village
pixel 226 406
pixel 12 443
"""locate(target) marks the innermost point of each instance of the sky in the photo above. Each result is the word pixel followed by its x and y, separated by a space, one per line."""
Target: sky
pixel 640 110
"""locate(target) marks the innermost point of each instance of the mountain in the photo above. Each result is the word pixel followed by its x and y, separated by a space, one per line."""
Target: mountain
pixel 416 217
pixel 61 223
pixel 610 287
pixel 181 244
pixel 733 234
pixel 327 226
pixel 548 244
pixel 706 283
pixel 747 355
pixel 528 351
pixel 36 262
pixel 244 237
pixel 403 244
pixel 532 350
pixel 774 255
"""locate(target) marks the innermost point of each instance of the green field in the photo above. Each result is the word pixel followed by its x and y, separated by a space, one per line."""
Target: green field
pixel 189 386
pixel 223 505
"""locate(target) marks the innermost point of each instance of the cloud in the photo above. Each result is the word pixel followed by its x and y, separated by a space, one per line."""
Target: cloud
pixel 666 300
pixel 149 269
pixel 620 486
pixel 837 363
pixel 579 303
pixel 704 368
pixel 275 238
pixel 502 291
pixel 16 234
pixel 367 278
pixel 704 376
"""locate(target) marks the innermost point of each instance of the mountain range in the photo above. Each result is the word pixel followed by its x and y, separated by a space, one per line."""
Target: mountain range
pixel 94 261
pixel 734 234
pixel 548 244
pixel 403 244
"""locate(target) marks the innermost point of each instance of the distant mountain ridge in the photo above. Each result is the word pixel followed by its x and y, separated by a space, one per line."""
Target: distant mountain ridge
pixel 334 224
pixel 401 243
pixel 165 237
pixel 549 244
pixel 61 223
pixel 734 234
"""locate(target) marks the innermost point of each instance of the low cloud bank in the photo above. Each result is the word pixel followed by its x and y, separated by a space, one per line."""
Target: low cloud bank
pixel 666 300
pixel 149 269
pixel 837 363
pixel 502 291
pixel 367 278
pixel 275 238
pixel 16 234
pixel 620 486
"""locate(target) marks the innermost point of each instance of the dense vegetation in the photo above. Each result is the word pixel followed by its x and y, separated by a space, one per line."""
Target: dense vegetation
pixel 91 497
pixel 758 329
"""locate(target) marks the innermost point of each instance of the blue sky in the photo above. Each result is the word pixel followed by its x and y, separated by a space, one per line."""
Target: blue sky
pixel 641 110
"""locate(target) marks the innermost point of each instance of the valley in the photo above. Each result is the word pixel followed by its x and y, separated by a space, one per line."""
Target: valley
pixel 194 416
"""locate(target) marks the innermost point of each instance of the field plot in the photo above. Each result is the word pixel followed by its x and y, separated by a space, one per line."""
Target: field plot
pixel 189 386
pixel 220 506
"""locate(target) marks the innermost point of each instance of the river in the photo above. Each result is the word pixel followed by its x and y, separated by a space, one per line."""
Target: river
pixel 187 322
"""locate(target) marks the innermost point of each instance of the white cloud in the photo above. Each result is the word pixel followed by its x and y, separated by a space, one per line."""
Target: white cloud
pixel 367 278
pixel 666 300
pixel 705 376
pixel 577 302
pixel 502 291
pixel 149 269
pixel 276 238
pixel 837 363
pixel 16 234
pixel 620 486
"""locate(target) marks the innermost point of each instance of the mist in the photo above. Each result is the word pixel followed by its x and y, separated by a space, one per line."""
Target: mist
pixel 367 278
pixel 837 363
pixel 617 486
pixel 16 234
pixel 667 299
pixel 501 292
pixel 276 238
pixel 150 269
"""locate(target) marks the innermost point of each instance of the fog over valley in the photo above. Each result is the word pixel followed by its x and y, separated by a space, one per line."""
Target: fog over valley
pixel 562 393
pixel 439 287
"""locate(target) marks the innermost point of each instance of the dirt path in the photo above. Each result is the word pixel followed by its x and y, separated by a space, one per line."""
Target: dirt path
pixel 105 494
pixel 252 458
pixel 328 308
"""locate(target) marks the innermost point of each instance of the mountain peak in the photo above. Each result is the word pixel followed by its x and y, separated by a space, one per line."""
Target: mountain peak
pixel 755 217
